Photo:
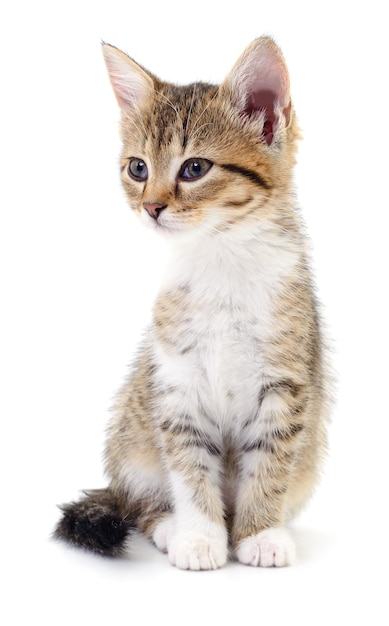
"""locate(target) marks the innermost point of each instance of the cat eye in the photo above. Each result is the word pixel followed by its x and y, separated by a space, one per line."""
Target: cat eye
pixel 194 168
pixel 137 169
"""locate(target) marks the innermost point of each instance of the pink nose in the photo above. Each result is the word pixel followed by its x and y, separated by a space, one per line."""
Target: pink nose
pixel 154 208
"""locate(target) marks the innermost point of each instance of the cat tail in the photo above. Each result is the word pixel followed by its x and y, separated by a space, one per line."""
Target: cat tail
pixel 96 522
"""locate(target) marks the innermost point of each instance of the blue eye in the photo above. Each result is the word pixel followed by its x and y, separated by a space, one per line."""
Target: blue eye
pixel 194 168
pixel 137 169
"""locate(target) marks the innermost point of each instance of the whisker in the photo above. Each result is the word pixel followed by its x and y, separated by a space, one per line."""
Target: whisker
pixel 193 134
pixel 142 130
pixel 202 113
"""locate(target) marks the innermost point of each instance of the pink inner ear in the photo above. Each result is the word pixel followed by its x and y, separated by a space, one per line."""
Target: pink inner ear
pixel 263 100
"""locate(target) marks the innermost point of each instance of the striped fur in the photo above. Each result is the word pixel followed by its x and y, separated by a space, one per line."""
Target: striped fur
pixel 218 433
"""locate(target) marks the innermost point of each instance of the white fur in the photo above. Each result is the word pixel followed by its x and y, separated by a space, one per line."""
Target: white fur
pixel 196 542
pixel 272 547
pixel 163 532
pixel 197 550
pixel 234 280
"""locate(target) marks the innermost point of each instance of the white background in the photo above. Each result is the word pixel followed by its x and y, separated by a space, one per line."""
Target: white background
pixel 78 277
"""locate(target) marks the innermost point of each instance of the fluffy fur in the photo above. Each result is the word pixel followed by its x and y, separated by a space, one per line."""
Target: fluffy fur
pixel 218 433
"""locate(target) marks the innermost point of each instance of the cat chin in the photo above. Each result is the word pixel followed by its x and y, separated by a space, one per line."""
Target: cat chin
pixel 168 230
pixel 164 226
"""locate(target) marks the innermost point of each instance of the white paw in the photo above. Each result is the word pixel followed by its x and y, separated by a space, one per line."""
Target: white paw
pixel 197 552
pixel 272 547
pixel 163 533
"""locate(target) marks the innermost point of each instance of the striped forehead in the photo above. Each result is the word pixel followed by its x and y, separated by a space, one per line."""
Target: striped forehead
pixel 176 111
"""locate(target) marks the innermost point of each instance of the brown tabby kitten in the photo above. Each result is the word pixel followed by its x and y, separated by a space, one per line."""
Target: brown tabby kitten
pixel 219 431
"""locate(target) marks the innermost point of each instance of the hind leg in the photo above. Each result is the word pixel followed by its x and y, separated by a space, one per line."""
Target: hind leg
pixel 156 522
pixel 144 488
pixel 163 531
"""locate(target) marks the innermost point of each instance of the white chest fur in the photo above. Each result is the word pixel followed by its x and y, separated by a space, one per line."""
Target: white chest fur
pixel 233 280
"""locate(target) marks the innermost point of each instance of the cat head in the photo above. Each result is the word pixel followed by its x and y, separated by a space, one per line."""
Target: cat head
pixel 201 154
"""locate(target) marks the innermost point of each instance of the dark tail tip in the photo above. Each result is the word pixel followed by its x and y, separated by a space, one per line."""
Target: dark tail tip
pixel 95 523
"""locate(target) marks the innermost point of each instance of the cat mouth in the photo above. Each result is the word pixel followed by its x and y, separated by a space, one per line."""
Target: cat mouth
pixel 163 224
pixel 169 227
pixel 169 223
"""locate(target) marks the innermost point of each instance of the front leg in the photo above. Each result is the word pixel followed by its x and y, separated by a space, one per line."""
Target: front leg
pixel 270 445
pixel 198 539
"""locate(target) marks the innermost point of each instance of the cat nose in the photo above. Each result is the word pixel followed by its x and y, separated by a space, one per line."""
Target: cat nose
pixel 154 208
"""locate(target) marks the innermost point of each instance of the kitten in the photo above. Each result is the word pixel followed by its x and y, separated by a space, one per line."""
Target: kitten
pixel 218 433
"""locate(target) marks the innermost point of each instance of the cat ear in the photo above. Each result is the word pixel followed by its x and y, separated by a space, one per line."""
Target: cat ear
pixel 259 82
pixel 131 84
